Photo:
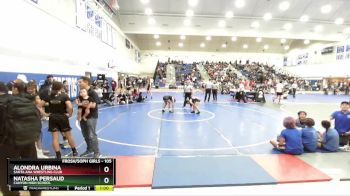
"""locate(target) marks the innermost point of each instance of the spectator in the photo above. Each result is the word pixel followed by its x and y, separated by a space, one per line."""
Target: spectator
pixel 88 127
pixel 310 136
pixel 300 122
pixel 330 139
pixel 290 140
pixel 342 123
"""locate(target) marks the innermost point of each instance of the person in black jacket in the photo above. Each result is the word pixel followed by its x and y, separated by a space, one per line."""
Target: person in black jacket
pixel 88 127
pixel 11 145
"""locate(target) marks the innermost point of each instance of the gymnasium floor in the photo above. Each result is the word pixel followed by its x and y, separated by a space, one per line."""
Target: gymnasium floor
pixel 225 145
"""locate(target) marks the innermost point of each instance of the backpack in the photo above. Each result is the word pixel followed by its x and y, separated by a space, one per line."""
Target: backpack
pixel 22 121
pixel 3 109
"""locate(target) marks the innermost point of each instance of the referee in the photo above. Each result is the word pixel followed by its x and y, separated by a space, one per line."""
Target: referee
pixel 188 88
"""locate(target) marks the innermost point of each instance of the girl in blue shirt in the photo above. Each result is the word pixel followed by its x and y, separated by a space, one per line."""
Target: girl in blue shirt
pixel 290 140
pixel 330 140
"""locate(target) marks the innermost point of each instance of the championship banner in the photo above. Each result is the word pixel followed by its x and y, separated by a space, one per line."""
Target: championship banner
pixel 81 14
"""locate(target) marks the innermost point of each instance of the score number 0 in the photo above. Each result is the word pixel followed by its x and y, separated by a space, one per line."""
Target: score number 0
pixel 106 170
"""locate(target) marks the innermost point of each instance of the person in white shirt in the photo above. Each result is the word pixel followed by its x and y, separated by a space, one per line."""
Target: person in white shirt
pixel 188 92
pixel 279 91
pixel 208 86
pixel 214 88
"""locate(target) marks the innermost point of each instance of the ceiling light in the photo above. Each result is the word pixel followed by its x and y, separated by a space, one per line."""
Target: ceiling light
pixel 306 42
pixel 258 39
pixel 287 26
pixel 234 38
pixel 158 43
pixel 151 21
pixel 347 30
pixel 192 3
pixel 202 45
pixel 144 1
pixel 148 11
pixel 266 46
pixel 267 16
pixel 326 9
pixel 189 13
pixel 304 18
pixel 229 14
pixel 156 36
pixel 284 5
pixel 286 47
pixel 255 24
pixel 318 28
pixel 181 44
pixel 182 37
pixel 339 21
pixel 245 46
pixel 187 22
pixel 208 38
pixel 239 3
pixel 283 41
pixel 224 45
pixel 222 23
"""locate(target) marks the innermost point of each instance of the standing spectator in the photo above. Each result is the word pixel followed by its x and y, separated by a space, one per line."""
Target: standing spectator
pixel 114 85
pixel 330 139
pixel 32 94
pixel 342 123
pixel 17 142
pixel 45 89
pixel 149 87
pixel 66 87
pixel 88 127
pixel 294 88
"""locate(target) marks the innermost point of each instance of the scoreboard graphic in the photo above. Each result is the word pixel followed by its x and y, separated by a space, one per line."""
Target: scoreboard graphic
pixel 67 174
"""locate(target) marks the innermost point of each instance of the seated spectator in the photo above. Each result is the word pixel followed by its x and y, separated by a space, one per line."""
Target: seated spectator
pixel 300 121
pixel 122 98
pixel 330 141
pixel 310 136
pixel 289 141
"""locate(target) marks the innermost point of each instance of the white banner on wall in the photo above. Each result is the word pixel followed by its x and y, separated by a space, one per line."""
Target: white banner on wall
pixel 114 38
pixel 104 31
pixel 347 54
pixel 302 59
pixel 94 23
pixel 88 19
pixel 340 53
pixel 109 34
pixel 81 14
